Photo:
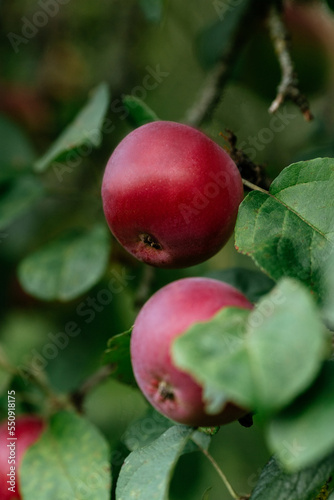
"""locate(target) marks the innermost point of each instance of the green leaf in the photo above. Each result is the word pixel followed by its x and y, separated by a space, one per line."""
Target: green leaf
pixel 206 495
pixel 86 128
pixel 16 151
pixel 261 360
pixel 118 355
pixel 22 195
pixel 67 267
pixel 328 300
pixel 70 461
pixel 290 232
pixel 215 41
pixel 18 348
pixel 152 9
pixel 303 433
pixel 147 472
pixel 146 429
pixel 139 112
pixel 275 484
pixel 253 284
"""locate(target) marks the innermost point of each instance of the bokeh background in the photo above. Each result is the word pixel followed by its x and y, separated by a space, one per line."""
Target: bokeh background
pixel 45 79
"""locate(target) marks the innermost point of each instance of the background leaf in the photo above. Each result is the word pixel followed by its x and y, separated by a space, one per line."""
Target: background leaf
pixel 275 484
pixel 291 231
pixel 20 349
pixel 118 355
pixel 86 128
pixel 330 4
pixel 69 461
pixel 303 433
pixel 147 472
pixel 261 360
pixel 253 284
pixel 21 196
pixel 67 267
pixel 214 42
pixel 16 151
pixel 152 9
pixel 139 112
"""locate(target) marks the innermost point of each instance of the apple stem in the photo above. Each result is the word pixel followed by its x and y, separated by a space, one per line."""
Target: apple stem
pixel 221 474
pixel 250 185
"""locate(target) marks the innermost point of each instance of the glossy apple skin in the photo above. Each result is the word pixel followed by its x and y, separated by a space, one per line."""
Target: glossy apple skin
pixel 171 195
pixel 166 315
pixel 28 429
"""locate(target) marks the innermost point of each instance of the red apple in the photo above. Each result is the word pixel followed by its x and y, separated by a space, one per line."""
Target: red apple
pixel 166 315
pixel 171 195
pixel 28 429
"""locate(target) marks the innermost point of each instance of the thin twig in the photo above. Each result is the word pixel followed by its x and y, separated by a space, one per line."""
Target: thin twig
pixel 38 378
pixel 288 89
pixel 210 96
pixel 211 93
pixel 221 474
pixel 254 187
pixel 78 396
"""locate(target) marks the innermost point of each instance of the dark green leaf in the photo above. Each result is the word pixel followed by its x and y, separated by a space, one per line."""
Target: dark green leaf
pixel 261 360
pixel 253 284
pixel 215 41
pixel 303 433
pixel 67 267
pixel 85 129
pixel 330 4
pixel 23 194
pixel 118 355
pixel 70 461
pixel 139 112
pixel 16 151
pixel 291 231
pixel 152 9
pixel 275 484
pixel 147 472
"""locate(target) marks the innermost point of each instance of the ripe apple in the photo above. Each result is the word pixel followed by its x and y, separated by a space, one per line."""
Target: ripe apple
pixel 28 429
pixel 171 195
pixel 166 315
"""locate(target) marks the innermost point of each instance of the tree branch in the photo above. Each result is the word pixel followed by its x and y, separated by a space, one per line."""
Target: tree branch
pixel 210 96
pixel 211 92
pixel 37 378
pixel 288 89
pixel 78 396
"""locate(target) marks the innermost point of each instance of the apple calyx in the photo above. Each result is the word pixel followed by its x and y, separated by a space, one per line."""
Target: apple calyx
pixel 149 241
pixel 165 391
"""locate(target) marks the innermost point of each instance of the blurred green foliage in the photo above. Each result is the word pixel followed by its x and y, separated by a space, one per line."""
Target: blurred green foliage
pixel 151 51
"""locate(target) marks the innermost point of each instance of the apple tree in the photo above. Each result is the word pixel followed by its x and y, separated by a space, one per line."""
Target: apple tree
pixel 166 237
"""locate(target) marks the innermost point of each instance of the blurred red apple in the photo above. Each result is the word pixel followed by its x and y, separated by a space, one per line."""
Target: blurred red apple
pixel 166 315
